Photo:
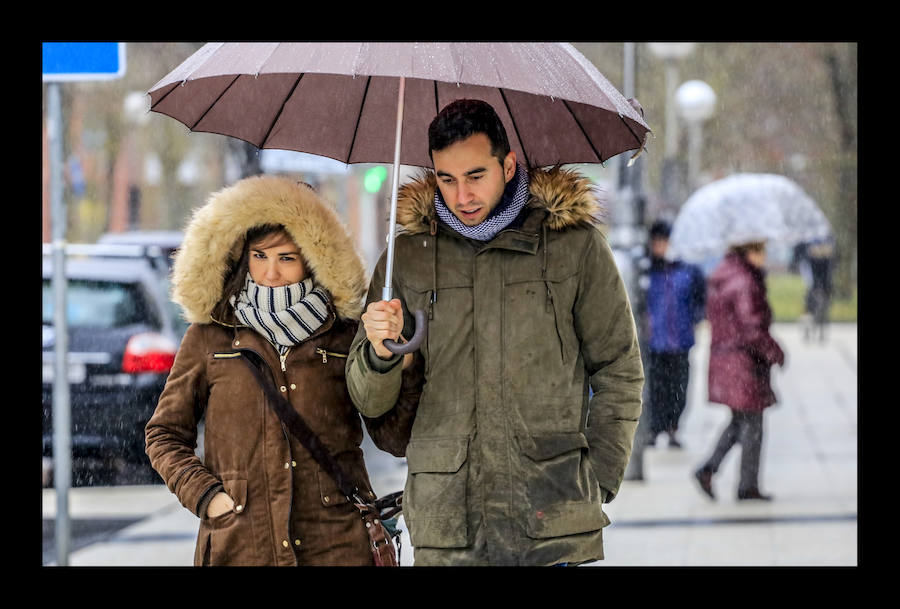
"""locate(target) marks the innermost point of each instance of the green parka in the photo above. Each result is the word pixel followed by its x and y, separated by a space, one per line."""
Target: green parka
pixel 509 458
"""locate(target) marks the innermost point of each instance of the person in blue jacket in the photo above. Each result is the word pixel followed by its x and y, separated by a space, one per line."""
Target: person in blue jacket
pixel 676 301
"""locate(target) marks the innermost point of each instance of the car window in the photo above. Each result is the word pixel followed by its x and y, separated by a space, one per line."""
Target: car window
pixel 103 304
pixel 179 324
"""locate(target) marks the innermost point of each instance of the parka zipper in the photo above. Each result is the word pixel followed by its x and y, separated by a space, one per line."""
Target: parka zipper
pixel 284 431
pixel 325 354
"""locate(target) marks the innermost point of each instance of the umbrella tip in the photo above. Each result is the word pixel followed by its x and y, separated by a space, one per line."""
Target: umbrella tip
pixel 635 156
pixel 636 105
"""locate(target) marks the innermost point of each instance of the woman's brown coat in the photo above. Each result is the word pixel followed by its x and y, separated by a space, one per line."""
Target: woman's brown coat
pixel 287 511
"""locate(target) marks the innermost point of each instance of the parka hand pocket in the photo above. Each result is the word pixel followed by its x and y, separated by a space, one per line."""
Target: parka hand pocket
pixel 236 488
pixel 223 539
pixel 435 499
pixel 562 495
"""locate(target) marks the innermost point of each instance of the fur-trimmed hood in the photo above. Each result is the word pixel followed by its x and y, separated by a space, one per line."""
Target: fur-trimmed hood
pixel 568 197
pixel 214 238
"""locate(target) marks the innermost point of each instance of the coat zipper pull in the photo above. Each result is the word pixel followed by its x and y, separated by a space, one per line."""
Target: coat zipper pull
pixel 324 354
pixel 282 357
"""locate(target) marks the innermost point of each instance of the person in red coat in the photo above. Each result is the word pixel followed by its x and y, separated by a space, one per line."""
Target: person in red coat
pixel 742 353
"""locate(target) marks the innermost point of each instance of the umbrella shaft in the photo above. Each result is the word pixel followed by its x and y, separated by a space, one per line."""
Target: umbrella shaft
pixel 387 290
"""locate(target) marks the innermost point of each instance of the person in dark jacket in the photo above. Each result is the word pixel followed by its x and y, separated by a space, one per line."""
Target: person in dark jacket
pixel 742 352
pixel 816 266
pixel 676 300
pixel 510 458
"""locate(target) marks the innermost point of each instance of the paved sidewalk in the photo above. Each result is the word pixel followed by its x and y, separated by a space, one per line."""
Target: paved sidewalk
pixel 809 465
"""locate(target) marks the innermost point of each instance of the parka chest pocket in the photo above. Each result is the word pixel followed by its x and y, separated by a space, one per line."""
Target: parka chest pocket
pixel 562 494
pixel 547 303
pixel 231 392
pixel 330 355
pixel 220 358
pixel 435 497
pixel 329 363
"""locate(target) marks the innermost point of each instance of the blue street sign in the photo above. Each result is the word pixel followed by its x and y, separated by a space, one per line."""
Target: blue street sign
pixel 68 61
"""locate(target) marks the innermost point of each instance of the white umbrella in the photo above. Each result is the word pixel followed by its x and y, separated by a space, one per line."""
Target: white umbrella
pixel 744 208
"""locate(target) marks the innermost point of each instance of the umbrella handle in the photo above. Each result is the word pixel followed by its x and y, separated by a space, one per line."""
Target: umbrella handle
pixel 413 344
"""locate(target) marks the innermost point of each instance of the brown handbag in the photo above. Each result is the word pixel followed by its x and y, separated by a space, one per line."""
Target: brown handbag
pixel 379 516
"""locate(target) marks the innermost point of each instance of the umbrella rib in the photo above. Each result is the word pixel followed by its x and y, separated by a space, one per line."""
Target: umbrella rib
pixel 280 111
pixel 205 112
pixel 515 127
pixel 580 126
pixel 362 104
pixel 159 101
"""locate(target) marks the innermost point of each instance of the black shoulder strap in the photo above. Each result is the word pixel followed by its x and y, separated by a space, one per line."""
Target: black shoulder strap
pixel 300 430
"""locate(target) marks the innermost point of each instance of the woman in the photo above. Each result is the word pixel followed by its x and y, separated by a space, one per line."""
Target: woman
pixel 741 354
pixel 265 267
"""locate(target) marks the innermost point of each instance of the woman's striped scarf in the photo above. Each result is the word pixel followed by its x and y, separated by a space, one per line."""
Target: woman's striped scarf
pixel 286 315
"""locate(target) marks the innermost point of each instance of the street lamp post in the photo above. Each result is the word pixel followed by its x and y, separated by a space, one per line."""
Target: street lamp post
pixel 696 102
pixel 670 53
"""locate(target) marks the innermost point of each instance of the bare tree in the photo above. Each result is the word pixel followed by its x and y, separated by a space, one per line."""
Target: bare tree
pixel 841 61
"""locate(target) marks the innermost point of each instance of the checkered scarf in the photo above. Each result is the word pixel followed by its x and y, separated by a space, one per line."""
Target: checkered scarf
pixel 515 196
pixel 286 315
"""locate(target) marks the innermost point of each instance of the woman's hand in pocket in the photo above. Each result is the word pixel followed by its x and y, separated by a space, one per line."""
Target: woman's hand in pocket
pixel 220 504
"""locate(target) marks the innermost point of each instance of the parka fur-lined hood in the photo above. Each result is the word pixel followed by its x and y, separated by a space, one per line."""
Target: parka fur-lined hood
pixel 569 198
pixel 214 238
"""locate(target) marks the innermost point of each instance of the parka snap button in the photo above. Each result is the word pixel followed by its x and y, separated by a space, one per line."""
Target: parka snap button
pixel 296 542
pixel 283 388
pixel 293 386
pixel 238 508
pixel 326 498
pixel 236 343
pixel 293 464
pixel 285 543
pixel 287 466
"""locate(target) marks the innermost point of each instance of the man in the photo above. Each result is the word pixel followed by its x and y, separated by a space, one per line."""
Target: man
pixel 509 461
pixel 676 301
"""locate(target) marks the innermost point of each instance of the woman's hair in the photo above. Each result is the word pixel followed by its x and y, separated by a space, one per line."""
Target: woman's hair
pixel 744 248
pixel 237 273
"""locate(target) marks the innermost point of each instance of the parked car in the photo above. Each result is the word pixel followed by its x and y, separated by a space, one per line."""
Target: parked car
pixel 168 241
pixel 160 246
pixel 122 343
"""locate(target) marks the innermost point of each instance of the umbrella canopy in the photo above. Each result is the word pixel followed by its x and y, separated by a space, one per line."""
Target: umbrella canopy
pixel 352 101
pixel 340 99
pixel 744 208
